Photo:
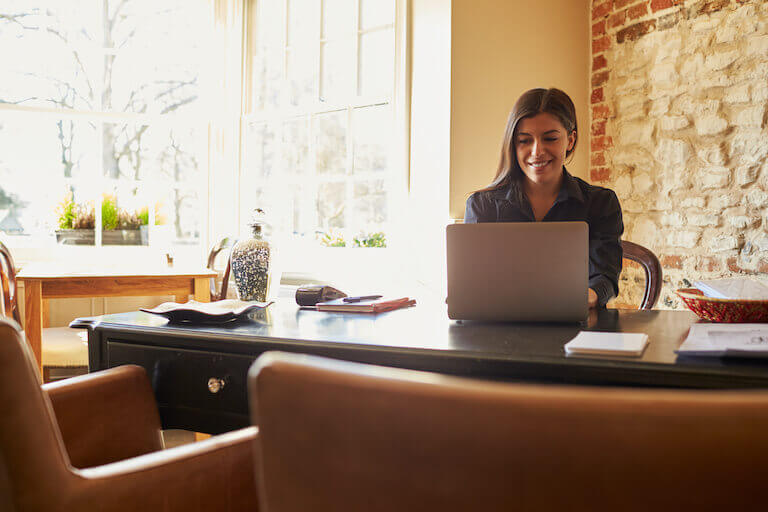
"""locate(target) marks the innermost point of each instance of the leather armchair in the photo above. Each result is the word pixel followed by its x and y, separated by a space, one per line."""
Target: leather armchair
pixel 338 435
pixel 93 443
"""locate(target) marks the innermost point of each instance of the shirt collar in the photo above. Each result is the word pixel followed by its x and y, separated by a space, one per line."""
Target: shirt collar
pixel 568 189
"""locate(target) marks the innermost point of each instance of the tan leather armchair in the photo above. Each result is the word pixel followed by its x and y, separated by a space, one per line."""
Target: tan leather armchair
pixel 92 443
pixel 344 436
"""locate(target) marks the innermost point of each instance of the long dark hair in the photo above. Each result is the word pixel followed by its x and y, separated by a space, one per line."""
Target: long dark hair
pixel 535 101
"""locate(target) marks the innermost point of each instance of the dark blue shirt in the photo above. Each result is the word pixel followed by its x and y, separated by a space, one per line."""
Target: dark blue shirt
pixel 577 200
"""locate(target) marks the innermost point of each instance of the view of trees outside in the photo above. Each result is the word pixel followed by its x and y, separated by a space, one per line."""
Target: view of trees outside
pixel 101 102
pixel 318 136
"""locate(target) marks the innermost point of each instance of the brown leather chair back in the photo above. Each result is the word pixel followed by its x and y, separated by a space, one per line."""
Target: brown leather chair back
pixel 345 436
pixel 9 301
pixel 33 459
pixel 651 266
pixel 225 244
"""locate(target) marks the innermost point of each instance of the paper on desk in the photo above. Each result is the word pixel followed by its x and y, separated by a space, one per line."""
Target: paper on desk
pixel 607 343
pixel 750 340
pixel 748 288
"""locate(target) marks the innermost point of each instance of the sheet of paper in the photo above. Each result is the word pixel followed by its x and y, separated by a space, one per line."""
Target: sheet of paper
pixel 748 288
pixel 726 339
pixel 607 343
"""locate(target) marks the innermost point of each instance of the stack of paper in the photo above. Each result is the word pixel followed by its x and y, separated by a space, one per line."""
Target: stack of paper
pixel 607 343
pixel 742 340
pixel 746 288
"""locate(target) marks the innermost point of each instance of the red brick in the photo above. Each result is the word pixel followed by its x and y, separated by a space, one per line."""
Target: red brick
pixel 658 5
pixel 632 32
pixel 600 143
pixel 600 78
pixel 672 261
pixel 763 266
pixel 601 112
pixel 598 29
pixel 708 264
pixel 600 174
pixel 618 19
pixel 713 6
pixel 598 127
pixel 598 159
pixel 620 4
pixel 637 11
pixel 600 45
pixel 733 265
pixel 597 96
pixel 599 62
pixel 601 10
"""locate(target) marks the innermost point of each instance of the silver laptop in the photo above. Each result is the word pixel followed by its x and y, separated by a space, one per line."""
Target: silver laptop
pixel 518 271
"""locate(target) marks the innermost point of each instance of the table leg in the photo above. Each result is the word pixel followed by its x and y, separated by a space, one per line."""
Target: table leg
pixel 202 289
pixel 33 321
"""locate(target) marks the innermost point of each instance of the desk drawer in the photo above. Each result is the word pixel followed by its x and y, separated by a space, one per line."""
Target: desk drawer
pixel 208 381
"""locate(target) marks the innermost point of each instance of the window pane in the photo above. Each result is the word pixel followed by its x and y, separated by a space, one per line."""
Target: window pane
pixel 260 152
pixel 302 75
pixel 270 23
pixel 331 142
pixel 337 59
pixel 295 146
pixel 372 132
pixel 159 52
pixel 369 206
pixel 50 57
pixel 377 66
pixel 330 205
pixel 338 18
pixel 43 162
pixel 374 13
pixel 302 21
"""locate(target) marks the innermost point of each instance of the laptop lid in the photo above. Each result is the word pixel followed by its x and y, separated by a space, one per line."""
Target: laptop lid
pixel 518 271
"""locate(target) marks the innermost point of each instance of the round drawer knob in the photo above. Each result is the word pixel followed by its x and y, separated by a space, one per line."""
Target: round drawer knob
pixel 215 384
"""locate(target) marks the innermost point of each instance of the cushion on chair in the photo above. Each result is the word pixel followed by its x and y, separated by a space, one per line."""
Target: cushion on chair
pixel 64 347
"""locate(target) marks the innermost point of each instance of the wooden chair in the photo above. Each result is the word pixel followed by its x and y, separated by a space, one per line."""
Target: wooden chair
pixel 347 436
pixel 225 244
pixel 62 347
pixel 93 443
pixel 652 268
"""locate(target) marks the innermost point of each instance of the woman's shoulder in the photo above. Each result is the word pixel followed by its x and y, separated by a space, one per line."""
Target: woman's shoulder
pixel 487 195
pixel 596 192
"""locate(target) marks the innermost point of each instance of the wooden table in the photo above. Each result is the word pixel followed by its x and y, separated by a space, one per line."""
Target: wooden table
pixel 49 281
pixel 182 360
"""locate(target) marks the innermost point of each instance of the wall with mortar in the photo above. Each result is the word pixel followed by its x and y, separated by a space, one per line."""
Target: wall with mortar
pixel 678 130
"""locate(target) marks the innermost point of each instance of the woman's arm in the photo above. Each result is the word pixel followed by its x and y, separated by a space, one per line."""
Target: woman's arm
pixel 479 209
pixel 605 228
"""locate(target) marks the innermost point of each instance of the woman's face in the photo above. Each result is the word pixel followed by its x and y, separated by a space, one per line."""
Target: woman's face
pixel 541 143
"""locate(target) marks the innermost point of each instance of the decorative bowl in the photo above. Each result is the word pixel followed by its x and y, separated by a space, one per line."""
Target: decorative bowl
pixel 724 310
pixel 206 312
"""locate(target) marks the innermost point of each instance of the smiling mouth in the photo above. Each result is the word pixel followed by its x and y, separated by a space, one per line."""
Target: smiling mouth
pixel 539 165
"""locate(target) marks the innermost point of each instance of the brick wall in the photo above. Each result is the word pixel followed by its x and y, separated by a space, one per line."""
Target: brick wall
pixel 678 130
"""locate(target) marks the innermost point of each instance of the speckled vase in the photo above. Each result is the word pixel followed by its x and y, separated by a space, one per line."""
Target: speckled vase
pixel 253 263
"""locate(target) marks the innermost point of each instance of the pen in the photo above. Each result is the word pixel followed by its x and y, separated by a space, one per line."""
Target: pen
pixel 361 298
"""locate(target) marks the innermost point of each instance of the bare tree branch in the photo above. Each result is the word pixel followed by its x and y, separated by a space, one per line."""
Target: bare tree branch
pixel 15 18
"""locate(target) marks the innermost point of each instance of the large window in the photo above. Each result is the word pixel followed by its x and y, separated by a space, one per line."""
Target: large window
pixel 318 136
pixel 116 115
pixel 103 132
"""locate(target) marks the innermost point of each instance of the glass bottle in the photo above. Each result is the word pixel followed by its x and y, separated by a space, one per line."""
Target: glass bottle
pixel 253 262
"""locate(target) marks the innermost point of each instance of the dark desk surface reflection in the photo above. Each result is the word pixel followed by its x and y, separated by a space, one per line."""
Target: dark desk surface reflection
pixel 424 338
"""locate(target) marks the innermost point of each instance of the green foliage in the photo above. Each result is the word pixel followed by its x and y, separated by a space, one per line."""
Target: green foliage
pixel 378 239
pixel 143 216
pixel 332 240
pixel 67 210
pixel 109 213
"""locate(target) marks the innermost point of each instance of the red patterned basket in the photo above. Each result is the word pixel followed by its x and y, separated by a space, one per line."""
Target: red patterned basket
pixel 724 310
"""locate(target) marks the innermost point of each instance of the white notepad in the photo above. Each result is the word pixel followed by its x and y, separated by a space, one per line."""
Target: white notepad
pixel 608 343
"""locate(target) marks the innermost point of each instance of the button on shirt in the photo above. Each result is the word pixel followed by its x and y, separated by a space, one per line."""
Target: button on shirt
pixel 577 200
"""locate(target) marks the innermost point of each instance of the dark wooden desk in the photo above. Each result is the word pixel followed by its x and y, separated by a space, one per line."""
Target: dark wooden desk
pixel 180 360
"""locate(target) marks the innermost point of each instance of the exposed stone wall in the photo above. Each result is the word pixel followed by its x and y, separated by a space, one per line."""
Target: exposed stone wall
pixel 678 130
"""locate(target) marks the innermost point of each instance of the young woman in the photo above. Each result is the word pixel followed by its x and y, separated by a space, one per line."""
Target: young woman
pixel 532 185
